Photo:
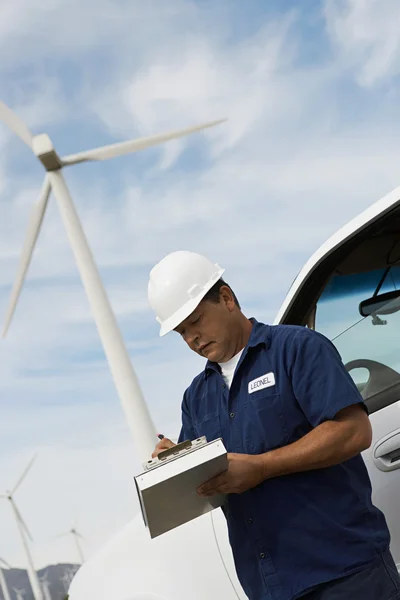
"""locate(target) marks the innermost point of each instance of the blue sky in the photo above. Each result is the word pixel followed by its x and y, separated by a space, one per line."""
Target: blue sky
pixel 311 92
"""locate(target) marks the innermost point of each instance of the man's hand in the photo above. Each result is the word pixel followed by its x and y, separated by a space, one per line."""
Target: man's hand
pixel 244 472
pixel 163 444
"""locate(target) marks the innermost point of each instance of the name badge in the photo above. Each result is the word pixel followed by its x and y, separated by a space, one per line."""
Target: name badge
pixel 265 381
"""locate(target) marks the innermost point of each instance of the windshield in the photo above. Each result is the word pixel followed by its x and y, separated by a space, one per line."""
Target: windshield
pixel 356 337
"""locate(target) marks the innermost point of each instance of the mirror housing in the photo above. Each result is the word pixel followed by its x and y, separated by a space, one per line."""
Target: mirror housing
pixel 382 304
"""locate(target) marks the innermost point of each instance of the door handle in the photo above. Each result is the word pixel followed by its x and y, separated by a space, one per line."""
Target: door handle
pixel 386 452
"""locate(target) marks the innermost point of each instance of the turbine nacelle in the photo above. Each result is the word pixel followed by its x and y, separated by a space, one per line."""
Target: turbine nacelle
pixel 43 148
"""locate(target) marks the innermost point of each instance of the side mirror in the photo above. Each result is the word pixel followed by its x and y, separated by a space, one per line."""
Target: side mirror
pixel 383 304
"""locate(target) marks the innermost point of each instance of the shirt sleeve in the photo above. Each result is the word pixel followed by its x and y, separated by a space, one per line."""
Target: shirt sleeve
pixel 321 383
pixel 187 431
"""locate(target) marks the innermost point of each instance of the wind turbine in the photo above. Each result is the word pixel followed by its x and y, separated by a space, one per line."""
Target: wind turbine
pixel 76 535
pixel 133 403
pixel 3 582
pixel 67 578
pixel 66 582
pixel 20 593
pixel 24 533
pixel 46 586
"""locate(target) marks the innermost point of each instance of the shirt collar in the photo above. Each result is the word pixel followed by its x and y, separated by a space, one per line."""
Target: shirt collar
pixel 260 335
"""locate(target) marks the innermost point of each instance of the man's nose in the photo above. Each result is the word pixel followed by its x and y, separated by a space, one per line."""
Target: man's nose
pixel 192 338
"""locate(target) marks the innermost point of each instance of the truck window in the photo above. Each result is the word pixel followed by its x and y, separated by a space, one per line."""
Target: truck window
pixel 369 345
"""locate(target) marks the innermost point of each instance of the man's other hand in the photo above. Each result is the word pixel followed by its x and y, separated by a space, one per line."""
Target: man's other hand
pixel 163 444
pixel 244 472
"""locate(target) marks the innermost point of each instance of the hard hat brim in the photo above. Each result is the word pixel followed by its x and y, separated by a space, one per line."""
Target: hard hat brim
pixel 180 315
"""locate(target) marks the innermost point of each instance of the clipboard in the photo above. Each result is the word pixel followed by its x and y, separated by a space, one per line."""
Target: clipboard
pixel 167 488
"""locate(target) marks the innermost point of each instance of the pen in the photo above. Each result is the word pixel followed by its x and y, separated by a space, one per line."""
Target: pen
pixel 160 436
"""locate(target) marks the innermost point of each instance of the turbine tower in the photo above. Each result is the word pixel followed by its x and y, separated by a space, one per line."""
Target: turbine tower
pixel 3 582
pixel 127 385
pixel 24 533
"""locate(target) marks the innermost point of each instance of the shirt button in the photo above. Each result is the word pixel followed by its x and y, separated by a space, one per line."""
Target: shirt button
pixel 262 555
pixel 250 521
pixel 232 414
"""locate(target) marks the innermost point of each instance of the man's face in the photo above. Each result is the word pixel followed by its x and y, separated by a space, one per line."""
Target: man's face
pixel 208 330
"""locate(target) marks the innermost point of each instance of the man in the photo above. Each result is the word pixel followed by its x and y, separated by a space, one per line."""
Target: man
pixel 300 518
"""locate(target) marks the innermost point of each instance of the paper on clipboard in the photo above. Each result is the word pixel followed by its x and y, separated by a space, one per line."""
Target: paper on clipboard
pixel 167 489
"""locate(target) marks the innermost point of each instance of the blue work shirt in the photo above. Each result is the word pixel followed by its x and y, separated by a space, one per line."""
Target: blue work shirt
pixel 292 532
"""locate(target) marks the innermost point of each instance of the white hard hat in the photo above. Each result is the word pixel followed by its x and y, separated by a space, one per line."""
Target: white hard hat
pixel 177 284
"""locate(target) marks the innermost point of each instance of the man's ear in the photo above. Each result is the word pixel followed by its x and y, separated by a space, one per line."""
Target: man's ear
pixel 226 297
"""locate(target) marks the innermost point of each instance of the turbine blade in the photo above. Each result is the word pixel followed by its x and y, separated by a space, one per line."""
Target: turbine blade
pixel 16 124
pixel 121 148
pixel 60 535
pixel 21 521
pixel 20 480
pixel 34 226
pixel 4 562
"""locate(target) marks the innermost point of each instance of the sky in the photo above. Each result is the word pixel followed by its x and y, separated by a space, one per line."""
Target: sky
pixel 311 92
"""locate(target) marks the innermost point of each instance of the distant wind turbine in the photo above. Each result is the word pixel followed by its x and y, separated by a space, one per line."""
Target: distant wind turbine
pixel 3 582
pixel 24 533
pixel 67 578
pixel 44 580
pixel 136 410
pixel 66 582
pixel 77 536
pixel 20 593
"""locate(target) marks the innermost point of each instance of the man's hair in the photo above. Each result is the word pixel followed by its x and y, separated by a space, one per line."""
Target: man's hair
pixel 213 294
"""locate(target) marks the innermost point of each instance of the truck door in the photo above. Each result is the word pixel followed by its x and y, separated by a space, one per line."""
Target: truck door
pixel 350 292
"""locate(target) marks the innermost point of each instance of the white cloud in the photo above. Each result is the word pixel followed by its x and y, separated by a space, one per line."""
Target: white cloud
pixel 367 34
pixel 31 30
pixel 198 79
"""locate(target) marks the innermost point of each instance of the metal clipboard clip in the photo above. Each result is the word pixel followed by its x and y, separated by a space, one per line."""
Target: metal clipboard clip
pixel 175 452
